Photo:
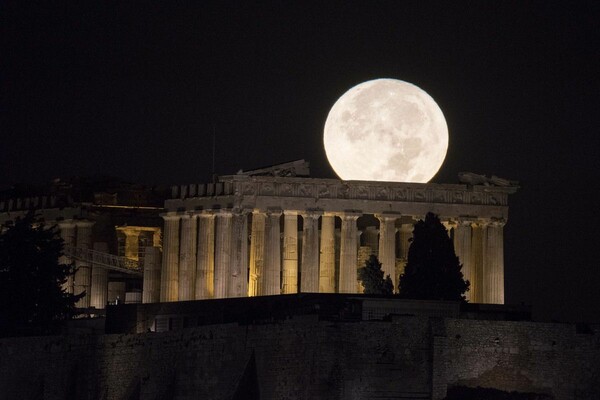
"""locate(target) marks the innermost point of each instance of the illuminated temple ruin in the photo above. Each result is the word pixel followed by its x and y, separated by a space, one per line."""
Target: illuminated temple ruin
pixel 265 232
pixel 276 232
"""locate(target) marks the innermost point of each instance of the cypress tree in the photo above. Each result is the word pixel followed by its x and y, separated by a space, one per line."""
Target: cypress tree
pixel 371 277
pixel 32 300
pixel 433 271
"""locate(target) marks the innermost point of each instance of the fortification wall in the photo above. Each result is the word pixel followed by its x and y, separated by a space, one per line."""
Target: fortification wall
pixel 520 356
pixel 299 359
pixel 304 358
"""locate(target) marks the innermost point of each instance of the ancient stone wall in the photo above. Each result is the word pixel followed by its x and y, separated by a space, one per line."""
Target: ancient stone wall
pixel 521 356
pixel 303 358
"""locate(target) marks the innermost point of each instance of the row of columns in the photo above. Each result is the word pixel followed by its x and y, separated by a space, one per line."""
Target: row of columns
pixel 206 254
pixel 208 260
pixel 93 279
pixel 480 247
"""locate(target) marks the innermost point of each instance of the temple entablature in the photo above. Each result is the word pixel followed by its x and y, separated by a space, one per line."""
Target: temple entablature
pixel 448 200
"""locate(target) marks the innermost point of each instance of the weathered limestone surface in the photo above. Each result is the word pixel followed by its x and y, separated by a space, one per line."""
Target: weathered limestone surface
pixel 290 253
pixel 83 275
pixel 223 251
pixel 408 356
pixel 257 252
pixel 387 244
pixel 270 282
pixel 205 257
pixel 151 284
pixel 493 283
pixel 132 243
pixel 370 238
pixel 327 255
pixel 348 253
pixel 477 257
pixel 238 279
pixel 99 286
pixel 310 253
pixel 187 257
pixel 169 280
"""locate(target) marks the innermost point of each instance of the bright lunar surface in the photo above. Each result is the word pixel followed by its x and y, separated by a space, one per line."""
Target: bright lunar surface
pixel 386 130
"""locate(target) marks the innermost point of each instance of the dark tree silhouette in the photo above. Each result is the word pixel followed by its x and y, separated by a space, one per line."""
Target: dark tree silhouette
pixel 433 270
pixel 32 300
pixel 371 277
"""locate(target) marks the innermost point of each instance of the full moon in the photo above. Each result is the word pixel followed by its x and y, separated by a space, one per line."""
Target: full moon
pixel 386 130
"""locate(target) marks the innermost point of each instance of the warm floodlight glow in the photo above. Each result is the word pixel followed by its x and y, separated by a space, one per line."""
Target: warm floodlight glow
pixel 386 130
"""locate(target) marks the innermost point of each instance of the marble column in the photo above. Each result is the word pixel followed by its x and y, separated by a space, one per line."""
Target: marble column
pixel 257 252
pixel 370 238
pixel 348 253
pixel 290 253
pixel 151 284
pixel 462 247
pixel 387 245
pixel 477 259
pixel 205 257
pixel 238 278
pixel 327 254
pixel 83 276
pixel 99 285
pixel 404 235
pixel 132 243
pixel 493 266
pixel 310 252
pixel 187 257
pixel 222 253
pixel 67 233
pixel 270 282
pixel 169 277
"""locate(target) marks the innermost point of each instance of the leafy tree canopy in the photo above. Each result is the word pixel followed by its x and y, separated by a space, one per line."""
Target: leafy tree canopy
pixel 32 300
pixel 371 277
pixel 433 271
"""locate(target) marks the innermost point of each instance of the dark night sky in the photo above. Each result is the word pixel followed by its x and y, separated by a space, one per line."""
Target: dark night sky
pixel 134 91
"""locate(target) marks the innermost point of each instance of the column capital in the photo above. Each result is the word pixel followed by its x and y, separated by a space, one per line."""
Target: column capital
pixel 171 216
pixel 275 212
pixel 480 223
pixel 311 213
pixel 350 215
pixel 241 210
pixel 291 213
pixel 465 221
pixel 66 223
pixel 497 223
pixel 383 216
pixel 450 221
